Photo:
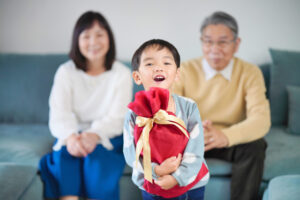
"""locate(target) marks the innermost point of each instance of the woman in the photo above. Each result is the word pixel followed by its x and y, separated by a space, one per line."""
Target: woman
pixel 88 102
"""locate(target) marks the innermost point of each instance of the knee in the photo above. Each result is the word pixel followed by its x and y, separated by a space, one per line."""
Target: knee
pixel 255 149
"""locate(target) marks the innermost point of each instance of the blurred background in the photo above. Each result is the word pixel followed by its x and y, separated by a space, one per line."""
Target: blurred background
pixel 45 26
pixel 41 28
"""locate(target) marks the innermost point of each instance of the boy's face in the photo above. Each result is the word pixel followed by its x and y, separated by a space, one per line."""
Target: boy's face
pixel 157 69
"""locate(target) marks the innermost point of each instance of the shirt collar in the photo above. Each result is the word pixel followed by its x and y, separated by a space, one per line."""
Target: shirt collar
pixel 210 72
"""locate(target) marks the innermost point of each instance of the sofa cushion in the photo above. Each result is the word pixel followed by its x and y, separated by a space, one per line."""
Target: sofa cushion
pixel 294 109
pixel 25 83
pixel 285 71
pixel 282 155
pixel 218 167
pixel 17 179
pixel 283 187
pixel 24 144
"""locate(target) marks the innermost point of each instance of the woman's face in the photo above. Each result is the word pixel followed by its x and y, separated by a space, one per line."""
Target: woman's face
pixel 94 43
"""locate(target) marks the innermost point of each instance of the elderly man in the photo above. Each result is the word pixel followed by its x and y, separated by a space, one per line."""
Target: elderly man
pixel 230 94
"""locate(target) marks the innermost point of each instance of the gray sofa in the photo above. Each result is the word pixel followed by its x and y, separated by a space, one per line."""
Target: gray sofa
pixel 25 83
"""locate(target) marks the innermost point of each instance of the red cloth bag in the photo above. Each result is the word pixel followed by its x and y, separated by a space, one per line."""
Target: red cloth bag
pixel 165 140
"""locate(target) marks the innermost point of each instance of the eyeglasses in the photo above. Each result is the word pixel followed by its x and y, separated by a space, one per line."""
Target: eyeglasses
pixel 221 43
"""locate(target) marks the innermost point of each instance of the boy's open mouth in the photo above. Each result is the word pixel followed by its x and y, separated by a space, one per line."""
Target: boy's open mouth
pixel 159 78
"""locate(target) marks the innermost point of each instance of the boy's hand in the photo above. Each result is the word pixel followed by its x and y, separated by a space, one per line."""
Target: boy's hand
pixel 166 182
pixel 168 166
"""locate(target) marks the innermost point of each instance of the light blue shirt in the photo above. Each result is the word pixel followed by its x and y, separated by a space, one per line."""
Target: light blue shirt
pixel 193 156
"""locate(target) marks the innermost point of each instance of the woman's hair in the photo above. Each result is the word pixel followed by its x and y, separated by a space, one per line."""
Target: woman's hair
pixel 159 44
pixel 221 18
pixel 86 21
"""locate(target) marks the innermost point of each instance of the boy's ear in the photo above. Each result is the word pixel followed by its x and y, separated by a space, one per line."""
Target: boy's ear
pixel 136 77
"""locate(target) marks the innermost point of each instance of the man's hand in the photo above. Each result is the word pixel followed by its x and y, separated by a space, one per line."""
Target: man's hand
pixel 75 147
pixel 213 138
pixel 166 182
pixel 89 141
pixel 168 166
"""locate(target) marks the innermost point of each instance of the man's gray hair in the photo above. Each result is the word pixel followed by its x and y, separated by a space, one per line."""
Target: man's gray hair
pixel 220 17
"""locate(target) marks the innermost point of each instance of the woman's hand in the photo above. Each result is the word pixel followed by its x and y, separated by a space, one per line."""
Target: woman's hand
pixel 89 141
pixel 75 146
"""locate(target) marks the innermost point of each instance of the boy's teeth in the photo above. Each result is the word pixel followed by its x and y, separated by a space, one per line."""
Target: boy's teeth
pixel 159 78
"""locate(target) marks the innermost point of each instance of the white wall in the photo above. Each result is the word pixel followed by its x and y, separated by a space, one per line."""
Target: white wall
pixel 45 26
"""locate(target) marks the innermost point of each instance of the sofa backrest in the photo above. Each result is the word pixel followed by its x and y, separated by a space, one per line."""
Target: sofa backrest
pixel 136 87
pixel 25 84
pixel 26 81
pixel 265 68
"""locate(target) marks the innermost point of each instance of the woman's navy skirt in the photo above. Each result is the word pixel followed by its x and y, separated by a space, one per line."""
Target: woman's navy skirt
pixel 95 176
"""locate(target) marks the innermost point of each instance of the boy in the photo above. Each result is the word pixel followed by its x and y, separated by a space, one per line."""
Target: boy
pixel 155 64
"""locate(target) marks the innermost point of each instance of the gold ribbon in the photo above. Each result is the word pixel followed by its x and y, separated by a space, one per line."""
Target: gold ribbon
pixel 161 117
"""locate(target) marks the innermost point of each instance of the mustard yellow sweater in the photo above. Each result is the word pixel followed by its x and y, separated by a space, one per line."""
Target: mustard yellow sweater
pixel 238 107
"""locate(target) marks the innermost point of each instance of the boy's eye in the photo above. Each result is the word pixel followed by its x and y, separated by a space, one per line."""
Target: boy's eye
pixel 167 63
pixel 149 64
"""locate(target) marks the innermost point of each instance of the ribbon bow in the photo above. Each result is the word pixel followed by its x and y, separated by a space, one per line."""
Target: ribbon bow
pixel 160 117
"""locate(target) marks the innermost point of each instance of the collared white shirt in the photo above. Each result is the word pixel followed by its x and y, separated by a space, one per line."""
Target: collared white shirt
pixel 210 72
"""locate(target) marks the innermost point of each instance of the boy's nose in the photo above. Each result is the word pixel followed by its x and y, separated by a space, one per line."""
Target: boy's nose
pixel 158 68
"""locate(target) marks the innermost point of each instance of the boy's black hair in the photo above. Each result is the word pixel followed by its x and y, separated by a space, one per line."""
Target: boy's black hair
pixel 85 21
pixel 160 44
